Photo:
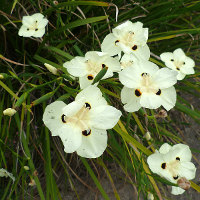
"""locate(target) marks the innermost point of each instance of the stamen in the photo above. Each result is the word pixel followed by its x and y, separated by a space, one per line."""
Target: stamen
pixel 159 92
pixel 63 118
pixel 86 132
pixel 163 165
pixel 134 47
pixel 87 105
pixel 90 77
pixel 137 93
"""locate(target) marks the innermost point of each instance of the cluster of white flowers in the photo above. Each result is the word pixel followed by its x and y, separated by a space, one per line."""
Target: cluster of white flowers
pixel 82 124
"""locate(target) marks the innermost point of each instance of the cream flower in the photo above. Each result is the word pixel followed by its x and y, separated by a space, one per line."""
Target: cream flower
pixel 82 124
pixel 131 38
pixel 9 111
pixel 179 62
pixel 173 163
pixel 33 25
pixel 147 86
pixel 86 68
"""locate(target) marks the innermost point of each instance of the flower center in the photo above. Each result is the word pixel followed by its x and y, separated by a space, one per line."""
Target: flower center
pixel 147 84
pixel 80 119
pixel 34 26
pixel 178 64
pixel 94 68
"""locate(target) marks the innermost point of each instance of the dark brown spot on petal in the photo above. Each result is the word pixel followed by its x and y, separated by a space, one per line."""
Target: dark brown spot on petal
pixel 134 47
pixel 137 93
pixel 27 29
pixel 90 77
pixel 144 74
pixel 86 132
pixel 177 158
pixel 178 68
pixel 103 65
pixel 159 92
pixel 184 63
pixel 63 118
pixel 172 60
pixel 36 29
pixel 175 177
pixel 87 105
pixel 116 42
pixel 163 165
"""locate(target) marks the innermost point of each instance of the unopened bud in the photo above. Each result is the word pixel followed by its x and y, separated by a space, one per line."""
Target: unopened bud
pixel 162 114
pixel 32 183
pixel 184 183
pixel 26 168
pixel 9 111
pixel 1 76
pixel 147 135
pixel 150 196
pixel 55 2
pixel 52 69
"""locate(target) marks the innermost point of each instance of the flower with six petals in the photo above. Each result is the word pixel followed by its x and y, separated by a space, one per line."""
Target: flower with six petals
pixel 86 68
pixel 179 62
pixel 82 124
pixel 145 85
pixel 173 163
pixel 131 38
pixel 33 25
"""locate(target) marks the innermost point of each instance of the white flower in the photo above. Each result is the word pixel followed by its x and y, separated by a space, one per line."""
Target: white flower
pixel 33 25
pixel 9 111
pixel 150 196
pixel 147 136
pixel 178 61
pixel 86 68
pixel 52 69
pixel 147 86
pixel 131 38
pixel 4 172
pixel 82 124
pixel 173 163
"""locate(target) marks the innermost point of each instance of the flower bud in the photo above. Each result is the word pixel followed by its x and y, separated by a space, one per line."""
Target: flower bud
pixel 1 76
pixel 150 196
pixel 147 136
pixel 162 114
pixel 9 111
pixel 26 168
pixel 52 69
pixel 184 183
pixel 32 183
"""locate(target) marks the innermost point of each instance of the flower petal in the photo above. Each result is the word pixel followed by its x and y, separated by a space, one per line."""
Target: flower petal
pixel 39 32
pixel 165 78
pixel 71 137
pixel 93 145
pixel 104 117
pixel 165 148
pixel 187 170
pixel 150 100
pixel 52 116
pixel 109 45
pixel 85 82
pixel 180 76
pixel 27 21
pixel 177 190
pixel 179 54
pixel 24 32
pixel 168 97
pixel 92 95
pixel 77 66
pixel 131 101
